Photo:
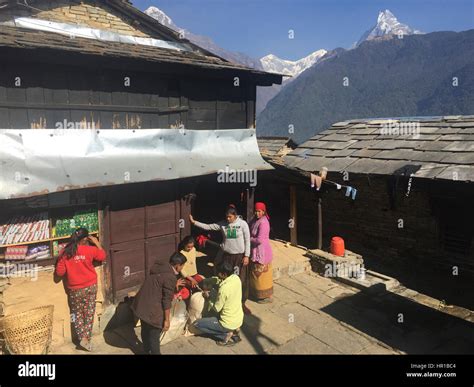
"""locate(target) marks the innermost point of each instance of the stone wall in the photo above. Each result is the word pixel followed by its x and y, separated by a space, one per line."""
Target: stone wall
pixel 370 226
pixel 90 13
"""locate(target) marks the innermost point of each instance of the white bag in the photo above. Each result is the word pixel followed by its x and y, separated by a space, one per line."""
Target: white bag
pixel 195 309
pixel 178 318
pixel 196 306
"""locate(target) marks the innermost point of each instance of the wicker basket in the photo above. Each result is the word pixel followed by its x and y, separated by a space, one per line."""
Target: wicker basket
pixel 29 332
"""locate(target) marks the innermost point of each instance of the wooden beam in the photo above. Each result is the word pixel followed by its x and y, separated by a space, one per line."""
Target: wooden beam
pixel 320 222
pixel 104 219
pixel 249 199
pixel 293 216
pixel 185 210
pixel 86 107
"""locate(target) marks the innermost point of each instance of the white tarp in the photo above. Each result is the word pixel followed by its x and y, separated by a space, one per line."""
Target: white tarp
pixel 73 31
pixel 40 161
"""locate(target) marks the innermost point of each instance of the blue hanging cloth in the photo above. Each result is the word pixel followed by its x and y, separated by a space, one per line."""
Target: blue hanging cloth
pixel 354 193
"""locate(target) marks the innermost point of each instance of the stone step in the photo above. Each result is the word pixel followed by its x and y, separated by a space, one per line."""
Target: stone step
pixel 291 269
pixel 371 281
pixel 288 260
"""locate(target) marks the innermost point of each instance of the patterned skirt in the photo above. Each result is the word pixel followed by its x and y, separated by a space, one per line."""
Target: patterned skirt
pixel 82 303
pixel 261 280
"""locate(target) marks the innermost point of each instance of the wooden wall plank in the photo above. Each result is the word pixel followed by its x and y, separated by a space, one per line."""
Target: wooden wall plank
pixel 4 119
pixel 57 93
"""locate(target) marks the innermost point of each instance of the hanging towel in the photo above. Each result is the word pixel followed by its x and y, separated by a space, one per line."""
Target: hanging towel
pixel 354 193
pixel 348 191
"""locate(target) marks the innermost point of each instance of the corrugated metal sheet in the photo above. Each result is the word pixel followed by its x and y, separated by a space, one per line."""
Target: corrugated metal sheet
pixel 37 162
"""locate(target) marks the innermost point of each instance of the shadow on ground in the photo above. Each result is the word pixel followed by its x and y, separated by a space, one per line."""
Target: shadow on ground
pixel 120 332
pixel 124 337
pixel 455 289
pixel 404 324
pixel 252 332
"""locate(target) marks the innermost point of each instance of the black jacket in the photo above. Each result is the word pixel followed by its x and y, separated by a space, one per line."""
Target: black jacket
pixel 155 294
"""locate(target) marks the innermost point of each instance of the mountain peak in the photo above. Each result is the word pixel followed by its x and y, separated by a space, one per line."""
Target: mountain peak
pixel 162 17
pixel 270 57
pixel 203 41
pixel 387 24
pixel 272 63
pixel 385 15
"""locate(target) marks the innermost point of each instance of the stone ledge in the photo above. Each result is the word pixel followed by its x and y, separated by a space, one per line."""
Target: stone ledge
pixel 348 255
pixel 373 282
pixel 349 269
pixel 292 269
pixel 321 259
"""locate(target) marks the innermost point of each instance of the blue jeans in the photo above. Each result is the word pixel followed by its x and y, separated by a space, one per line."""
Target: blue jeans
pixel 212 327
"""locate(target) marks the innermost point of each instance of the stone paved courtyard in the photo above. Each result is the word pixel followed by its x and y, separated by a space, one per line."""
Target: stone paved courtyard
pixel 316 315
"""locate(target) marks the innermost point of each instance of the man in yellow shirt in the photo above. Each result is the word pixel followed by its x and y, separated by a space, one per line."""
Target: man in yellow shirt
pixel 228 306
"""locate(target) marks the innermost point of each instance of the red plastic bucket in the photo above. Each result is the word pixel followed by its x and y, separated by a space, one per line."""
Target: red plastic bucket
pixel 337 246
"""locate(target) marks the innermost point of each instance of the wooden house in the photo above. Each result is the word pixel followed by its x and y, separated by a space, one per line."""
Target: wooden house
pixel 91 66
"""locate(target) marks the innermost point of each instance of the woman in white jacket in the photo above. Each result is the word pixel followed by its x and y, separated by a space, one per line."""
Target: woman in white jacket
pixel 235 247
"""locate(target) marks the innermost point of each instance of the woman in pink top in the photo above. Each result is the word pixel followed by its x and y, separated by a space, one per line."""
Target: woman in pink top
pixel 261 271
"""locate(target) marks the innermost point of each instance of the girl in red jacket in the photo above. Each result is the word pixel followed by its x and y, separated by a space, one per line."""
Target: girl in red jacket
pixel 76 263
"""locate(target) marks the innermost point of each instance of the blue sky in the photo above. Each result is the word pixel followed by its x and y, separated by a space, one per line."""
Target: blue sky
pixel 260 27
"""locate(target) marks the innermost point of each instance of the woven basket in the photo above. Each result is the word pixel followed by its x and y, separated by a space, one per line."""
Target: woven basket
pixel 29 332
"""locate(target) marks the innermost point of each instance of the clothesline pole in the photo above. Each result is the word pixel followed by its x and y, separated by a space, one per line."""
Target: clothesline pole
pixel 293 216
pixel 320 221
pixel 249 201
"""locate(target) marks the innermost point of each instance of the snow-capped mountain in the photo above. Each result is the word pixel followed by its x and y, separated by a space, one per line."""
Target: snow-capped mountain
pixel 387 24
pixel 274 64
pixel 162 17
pixel 204 41
pixel 269 63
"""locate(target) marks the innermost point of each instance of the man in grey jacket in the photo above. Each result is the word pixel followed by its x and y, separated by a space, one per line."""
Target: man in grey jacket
pixel 235 246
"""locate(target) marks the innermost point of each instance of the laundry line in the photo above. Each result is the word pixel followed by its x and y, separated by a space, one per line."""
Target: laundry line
pixel 317 181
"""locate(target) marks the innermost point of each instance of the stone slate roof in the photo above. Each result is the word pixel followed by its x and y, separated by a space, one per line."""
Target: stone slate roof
pixel 275 146
pixel 434 147
pixel 22 38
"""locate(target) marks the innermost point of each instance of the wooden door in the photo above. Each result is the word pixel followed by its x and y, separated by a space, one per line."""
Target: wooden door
pixel 138 237
pixel 128 267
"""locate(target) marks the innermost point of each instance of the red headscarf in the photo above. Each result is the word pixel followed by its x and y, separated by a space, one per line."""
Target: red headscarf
pixel 260 206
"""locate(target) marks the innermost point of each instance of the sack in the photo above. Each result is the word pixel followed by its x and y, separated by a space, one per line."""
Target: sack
pixel 195 309
pixel 178 318
pixel 196 306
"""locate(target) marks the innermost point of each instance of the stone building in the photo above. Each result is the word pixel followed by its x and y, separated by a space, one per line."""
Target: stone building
pixel 411 215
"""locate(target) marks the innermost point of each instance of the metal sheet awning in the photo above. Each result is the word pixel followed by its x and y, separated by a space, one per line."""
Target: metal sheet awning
pixel 41 161
pixel 73 31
